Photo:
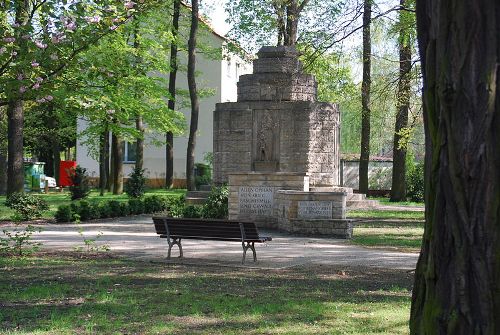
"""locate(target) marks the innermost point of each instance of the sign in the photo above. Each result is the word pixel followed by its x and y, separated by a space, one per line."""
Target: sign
pixel 256 200
pixel 314 210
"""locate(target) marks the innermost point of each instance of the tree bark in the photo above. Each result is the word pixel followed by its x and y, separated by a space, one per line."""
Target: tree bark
pixel 398 188
pixel 457 280
pixel 15 167
pixel 117 164
pixel 195 108
pixel 3 152
pixel 365 99
pixel 169 178
pixel 139 145
pixel 103 160
pixel 111 167
pixel 292 18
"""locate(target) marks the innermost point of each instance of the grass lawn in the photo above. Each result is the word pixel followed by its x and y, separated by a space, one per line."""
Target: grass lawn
pixel 62 294
pixel 386 201
pixel 385 214
pixel 56 199
pixel 404 238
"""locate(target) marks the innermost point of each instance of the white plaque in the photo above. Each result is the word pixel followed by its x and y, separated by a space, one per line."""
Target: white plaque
pixel 256 200
pixel 314 210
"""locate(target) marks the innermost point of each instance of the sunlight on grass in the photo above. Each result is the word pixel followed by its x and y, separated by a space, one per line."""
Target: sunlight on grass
pixel 404 238
pixel 386 214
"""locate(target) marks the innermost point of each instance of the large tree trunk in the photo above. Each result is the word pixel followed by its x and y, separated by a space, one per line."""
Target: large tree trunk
pixel 3 152
pixel 169 178
pixel 111 167
pixel 398 188
pixel 139 145
pixel 292 18
pixel 457 280
pixel 103 160
pixel 117 164
pixel 15 168
pixel 195 108
pixel 365 99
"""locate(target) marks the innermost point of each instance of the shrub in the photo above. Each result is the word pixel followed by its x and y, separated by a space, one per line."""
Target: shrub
pixel 203 175
pixel 104 210
pixel 175 206
pixel 115 208
pixel 155 204
pixel 415 182
pixel 124 209
pixel 64 214
pixel 136 206
pixel 26 206
pixel 81 185
pixel 136 184
pixel 216 206
pixel 192 211
pixel 88 211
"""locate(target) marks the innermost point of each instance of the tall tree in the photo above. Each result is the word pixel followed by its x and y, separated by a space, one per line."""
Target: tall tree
pixel 169 181
pixel 457 280
pixel 195 106
pixel 365 98
pixel 3 151
pixel 398 188
pixel 117 163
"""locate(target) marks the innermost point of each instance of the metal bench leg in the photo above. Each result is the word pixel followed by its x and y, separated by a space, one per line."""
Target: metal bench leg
pixel 246 246
pixel 171 244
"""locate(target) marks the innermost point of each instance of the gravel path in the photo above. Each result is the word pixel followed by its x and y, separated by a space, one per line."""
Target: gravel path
pixel 134 237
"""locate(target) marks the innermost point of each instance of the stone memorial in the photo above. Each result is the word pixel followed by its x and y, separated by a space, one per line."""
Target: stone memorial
pixel 277 137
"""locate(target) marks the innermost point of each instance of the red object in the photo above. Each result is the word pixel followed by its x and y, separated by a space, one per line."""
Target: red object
pixel 65 168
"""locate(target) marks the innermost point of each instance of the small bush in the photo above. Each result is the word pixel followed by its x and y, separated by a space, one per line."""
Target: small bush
pixel 136 206
pixel 81 184
pixel 64 214
pixel 105 210
pixel 26 206
pixel 124 209
pixel 88 211
pixel 216 206
pixel 136 184
pixel 115 208
pixel 191 211
pixel 155 204
pixel 175 206
pixel 415 183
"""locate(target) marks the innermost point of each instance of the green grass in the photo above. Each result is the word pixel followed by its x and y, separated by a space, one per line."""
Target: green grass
pixel 64 295
pixel 386 201
pixel 56 199
pixel 404 238
pixel 386 214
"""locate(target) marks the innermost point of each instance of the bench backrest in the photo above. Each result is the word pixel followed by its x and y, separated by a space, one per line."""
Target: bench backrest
pixel 207 228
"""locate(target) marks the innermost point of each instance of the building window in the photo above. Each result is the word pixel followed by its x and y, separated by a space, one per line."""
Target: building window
pixel 129 152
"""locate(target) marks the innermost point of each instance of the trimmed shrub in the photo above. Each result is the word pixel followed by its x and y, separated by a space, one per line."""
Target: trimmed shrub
pixel 27 206
pixel 192 211
pixel 88 211
pixel 216 206
pixel 115 208
pixel 136 206
pixel 81 183
pixel 104 210
pixel 155 204
pixel 415 183
pixel 124 209
pixel 64 214
pixel 175 206
pixel 136 184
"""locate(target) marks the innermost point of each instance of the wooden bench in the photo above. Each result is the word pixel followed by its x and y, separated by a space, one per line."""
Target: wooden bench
pixel 174 230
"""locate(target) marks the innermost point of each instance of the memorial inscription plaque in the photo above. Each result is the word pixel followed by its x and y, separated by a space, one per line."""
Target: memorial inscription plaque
pixel 256 200
pixel 314 210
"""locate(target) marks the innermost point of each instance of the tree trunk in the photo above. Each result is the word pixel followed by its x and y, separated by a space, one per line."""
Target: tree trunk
pixel 365 99
pixel 457 280
pixel 398 188
pixel 111 164
pixel 195 108
pixel 169 178
pixel 55 147
pixel 139 145
pixel 103 160
pixel 292 18
pixel 3 152
pixel 117 164
pixel 15 167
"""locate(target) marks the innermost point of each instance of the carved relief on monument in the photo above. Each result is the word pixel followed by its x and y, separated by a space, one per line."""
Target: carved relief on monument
pixel 266 141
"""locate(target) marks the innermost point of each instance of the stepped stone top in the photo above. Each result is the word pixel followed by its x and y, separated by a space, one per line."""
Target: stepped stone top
pixel 278 76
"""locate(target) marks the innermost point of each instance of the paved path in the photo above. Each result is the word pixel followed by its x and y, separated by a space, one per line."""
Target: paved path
pixel 134 237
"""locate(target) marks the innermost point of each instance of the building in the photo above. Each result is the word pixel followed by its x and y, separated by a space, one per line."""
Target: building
pixel 218 75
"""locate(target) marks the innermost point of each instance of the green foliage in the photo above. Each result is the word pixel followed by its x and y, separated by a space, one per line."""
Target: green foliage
pixel 136 206
pixel 175 206
pixel 64 213
pixel 192 211
pixel 26 206
pixel 155 204
pixel 135 186
pixel 81 184
pixel 216 206
pixel 18 241
pixel 415 182
pixel 90 243
pixel 115 209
